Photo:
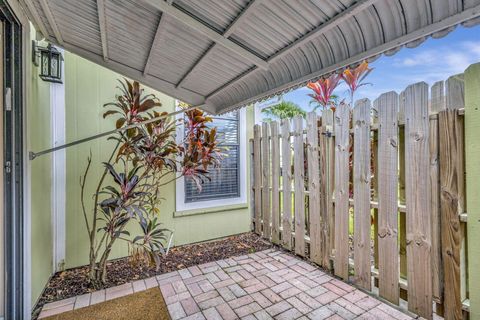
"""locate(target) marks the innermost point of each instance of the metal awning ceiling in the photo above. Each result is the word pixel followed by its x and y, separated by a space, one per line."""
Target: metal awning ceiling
pixel 224 54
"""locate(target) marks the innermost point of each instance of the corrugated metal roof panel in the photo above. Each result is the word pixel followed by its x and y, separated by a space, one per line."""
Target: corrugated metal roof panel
pixel 223 54
pixel 218 68
pixel 79 19
pixel 130 32
pixel 179 48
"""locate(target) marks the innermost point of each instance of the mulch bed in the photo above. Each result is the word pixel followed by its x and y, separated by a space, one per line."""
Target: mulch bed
pixel 74 282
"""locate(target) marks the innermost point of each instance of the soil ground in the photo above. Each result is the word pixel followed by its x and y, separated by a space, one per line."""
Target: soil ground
pixel 74 282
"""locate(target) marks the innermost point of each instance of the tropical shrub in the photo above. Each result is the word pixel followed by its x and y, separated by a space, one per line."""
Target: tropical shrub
pixel 145 158
pixel 323 91
pixel 323 88
pixel 283 110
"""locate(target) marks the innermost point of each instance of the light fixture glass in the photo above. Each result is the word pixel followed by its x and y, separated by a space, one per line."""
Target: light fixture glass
pixel 50 63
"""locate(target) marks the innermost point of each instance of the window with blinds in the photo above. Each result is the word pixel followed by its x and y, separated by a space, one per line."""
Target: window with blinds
pixel 225 180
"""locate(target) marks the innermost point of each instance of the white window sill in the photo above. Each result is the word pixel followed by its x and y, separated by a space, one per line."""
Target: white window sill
pixel 207 210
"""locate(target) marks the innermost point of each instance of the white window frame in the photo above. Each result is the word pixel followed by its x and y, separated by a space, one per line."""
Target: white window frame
pixel 181 205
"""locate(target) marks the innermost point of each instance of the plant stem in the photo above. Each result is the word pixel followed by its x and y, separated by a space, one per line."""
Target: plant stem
pixel 82 185
pixel 171 180
pixel 93 252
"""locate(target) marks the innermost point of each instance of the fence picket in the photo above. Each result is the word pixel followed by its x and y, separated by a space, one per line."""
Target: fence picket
pixel 342 141
pixel 361 193
pixel 252 185
pixel 299 182
pixel 451 237
pixel 316 243
pixel 275 142
pixel 323 189
pixel 286 185
pixel 418 200
pixel 257 163
pixel 328 129
pixel 437 104
pixel 456 100
pixel 266 181
pixel 374 185
pixel 387 170
pixel 452 196
pixel 401 192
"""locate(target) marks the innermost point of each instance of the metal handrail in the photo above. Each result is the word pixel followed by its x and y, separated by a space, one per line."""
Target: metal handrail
pixel 33 155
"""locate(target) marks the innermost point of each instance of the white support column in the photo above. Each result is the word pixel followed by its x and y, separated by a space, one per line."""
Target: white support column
pixel 57 106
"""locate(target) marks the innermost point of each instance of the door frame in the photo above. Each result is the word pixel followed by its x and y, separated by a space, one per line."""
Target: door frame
pixel 13 136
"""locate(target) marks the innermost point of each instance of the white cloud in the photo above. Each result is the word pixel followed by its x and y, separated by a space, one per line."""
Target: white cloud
pixel 472 46
pixel 444 60
pixel 421 58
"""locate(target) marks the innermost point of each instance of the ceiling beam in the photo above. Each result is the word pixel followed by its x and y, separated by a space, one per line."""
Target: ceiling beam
pixel 152 81
pixel 249 8
pixel 102 22
pixel 51 21
pixel 428 30
pixel 193 67
pixel 242 16
pixel 356 8
pixel 155 43
pixel 207 31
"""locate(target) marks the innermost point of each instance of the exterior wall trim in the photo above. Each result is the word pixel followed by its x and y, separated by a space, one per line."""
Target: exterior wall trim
pixel 57 108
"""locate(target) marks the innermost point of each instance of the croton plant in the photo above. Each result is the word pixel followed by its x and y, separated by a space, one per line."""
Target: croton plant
pixel 324 87
pixel 146 157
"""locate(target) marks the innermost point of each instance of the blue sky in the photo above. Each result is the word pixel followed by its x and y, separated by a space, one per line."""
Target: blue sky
pixel 434 60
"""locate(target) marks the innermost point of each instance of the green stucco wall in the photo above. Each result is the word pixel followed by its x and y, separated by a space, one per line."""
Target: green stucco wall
pixel 472 154
pixel 39 138
pixel 88 87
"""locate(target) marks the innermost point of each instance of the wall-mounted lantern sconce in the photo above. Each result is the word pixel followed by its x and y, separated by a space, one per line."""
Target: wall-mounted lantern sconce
pixel 50 61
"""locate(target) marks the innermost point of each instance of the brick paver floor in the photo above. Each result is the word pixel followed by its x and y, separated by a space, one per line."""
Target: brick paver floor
pixel 269 284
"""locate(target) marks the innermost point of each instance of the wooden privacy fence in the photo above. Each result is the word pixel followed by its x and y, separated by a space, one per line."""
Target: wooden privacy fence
pixel 375 193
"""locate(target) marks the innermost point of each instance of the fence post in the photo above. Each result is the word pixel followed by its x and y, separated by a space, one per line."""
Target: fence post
pixel 472 154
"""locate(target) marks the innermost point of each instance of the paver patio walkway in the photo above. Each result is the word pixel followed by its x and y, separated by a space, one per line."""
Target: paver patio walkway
pixel 269 284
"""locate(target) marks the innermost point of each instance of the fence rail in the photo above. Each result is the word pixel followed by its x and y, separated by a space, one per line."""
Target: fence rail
pixel 375 193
